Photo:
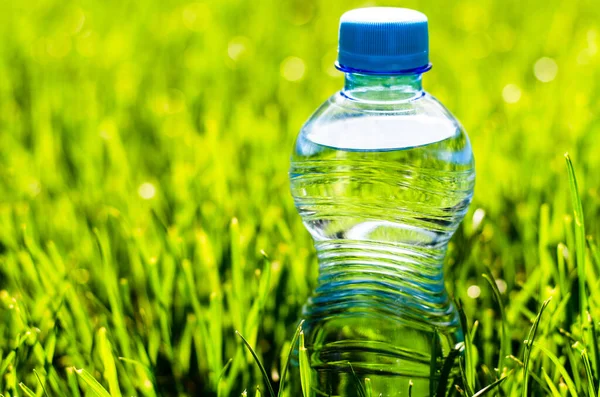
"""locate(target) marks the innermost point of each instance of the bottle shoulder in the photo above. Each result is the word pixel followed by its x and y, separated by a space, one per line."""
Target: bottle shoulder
pixel 340 106
pixel 347 123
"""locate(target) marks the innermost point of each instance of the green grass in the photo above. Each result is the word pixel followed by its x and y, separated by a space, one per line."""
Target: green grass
pixel 144 205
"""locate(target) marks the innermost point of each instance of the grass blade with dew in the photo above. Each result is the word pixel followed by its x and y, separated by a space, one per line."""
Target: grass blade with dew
pixel 503 339
pixel 305 375
pixel 579 235
pixel 289 356
pixel 528 346
pixel 94 385
pixel 260 366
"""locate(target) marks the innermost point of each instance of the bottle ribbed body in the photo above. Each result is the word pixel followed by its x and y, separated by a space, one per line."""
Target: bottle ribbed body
pixel 381 188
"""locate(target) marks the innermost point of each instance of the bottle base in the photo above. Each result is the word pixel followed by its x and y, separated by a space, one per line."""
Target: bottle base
pixel 366 354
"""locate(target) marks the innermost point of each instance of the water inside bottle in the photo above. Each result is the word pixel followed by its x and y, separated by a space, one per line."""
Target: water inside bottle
pixel 381 196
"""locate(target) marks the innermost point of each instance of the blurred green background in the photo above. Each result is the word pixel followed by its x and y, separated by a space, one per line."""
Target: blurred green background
pixel 144 149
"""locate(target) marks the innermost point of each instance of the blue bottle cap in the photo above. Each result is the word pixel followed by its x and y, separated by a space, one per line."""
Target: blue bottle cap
pixel 383 40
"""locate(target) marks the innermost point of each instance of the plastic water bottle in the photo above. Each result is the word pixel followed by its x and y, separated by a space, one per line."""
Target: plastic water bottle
pixel 382 174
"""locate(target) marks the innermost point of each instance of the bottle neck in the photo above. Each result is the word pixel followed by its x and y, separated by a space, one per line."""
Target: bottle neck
pixel 383 88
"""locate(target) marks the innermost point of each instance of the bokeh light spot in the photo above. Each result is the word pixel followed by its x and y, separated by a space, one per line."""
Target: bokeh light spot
pixel 474 291
pixel 237 47
pixel 545 69
pixel 478 216
pixel 293 68
pixel 501 284
pixel 511 93
pixel 35 188
pixel 147 191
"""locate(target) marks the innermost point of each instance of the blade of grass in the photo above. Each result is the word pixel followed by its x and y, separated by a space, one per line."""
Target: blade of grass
pixel 445 373
pixel 504 322
pixel 6 362
pixel 147 371
pixel 550 383
pixel 41 383
pixel 491 387
pixel 579 235
pixel 237 275
pixel 528 345
pixel 468 345
pixel 595 348
pixel 227 364
pixel 463 375
pixel 253 317
pixel 595 253
pixel 561 368
pixel 110 369
pixel 28 392
pixel 433 360
pixel 289 356
pixel 594 339
pixel 94 385
pixel 260 366
pixel 562 271
pixel 73 383
pixel 587 366
pixel 359 386
pixel 474 330
pixel 305 375
pixel 221 375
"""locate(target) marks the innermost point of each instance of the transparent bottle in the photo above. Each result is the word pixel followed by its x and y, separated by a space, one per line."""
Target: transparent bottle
pixel 382 175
